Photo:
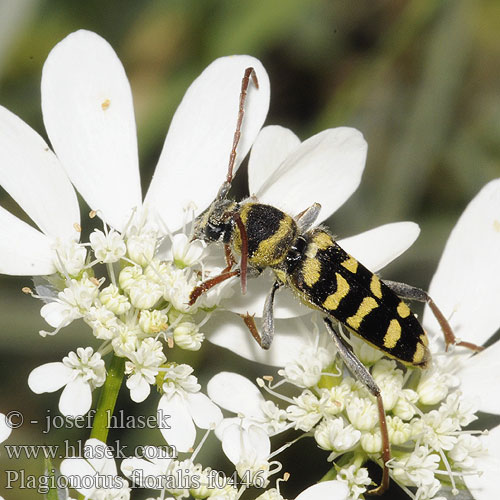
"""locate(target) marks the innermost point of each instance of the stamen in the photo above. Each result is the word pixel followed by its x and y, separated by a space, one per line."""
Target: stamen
pixel 268 389
pixel 200 444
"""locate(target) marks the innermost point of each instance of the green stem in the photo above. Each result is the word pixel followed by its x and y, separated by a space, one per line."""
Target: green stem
pixel 107 399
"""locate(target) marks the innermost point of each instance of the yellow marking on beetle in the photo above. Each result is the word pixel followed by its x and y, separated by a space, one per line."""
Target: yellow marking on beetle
pixel 419 354
pixel 245 210
pixel 393 334
pixel 351 264
pixel 403 310
pixel 311 270
pixel 311 250
pixel 281 275
pixel 332 301
pixel 266 251
pixel 375 286
pixel 366 306
pixel 424 339
pixel 322 240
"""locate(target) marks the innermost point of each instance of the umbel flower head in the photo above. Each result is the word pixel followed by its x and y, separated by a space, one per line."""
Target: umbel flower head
pixel 88 114
pixel 89 119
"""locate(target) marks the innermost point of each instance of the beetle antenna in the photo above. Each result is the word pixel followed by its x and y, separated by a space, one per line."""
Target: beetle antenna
pixel 249 73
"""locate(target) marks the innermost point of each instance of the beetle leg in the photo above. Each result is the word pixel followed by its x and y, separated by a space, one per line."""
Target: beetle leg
pixel 413 293
pixel 228 255
pixel 210 283
pixel 249 321
pixel 268 317
pixel 359 371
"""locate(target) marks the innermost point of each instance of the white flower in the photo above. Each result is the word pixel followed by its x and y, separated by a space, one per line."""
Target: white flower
pixel 144 294
pixel 362 413
pixel 187 336
pixel 143 368
pixel 185 406
pixel 249 450
pixel 307 410
pixel 95 475
pixel 108 248
pixel 153 322
pixel 114 300
pixel 466 288
pixel 416 469
pixel 70 256
pixel 72 303
pixel 80 372
pixel 150 470
pixel 334 490
pixel 333 434
pixel 356 478
pixel 306 370
pixel 237 394
pixel 185 253
pixel 87 107
pixel 103 322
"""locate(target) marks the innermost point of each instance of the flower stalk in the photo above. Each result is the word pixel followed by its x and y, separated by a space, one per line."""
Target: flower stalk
pixel 107 399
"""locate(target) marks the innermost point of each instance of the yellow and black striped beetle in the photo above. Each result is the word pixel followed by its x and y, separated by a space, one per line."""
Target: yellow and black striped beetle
pixel 322 275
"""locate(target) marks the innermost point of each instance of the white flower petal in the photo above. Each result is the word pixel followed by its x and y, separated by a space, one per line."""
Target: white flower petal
pixel 5 430
pixel 75 469
pixel 271 148
pixel 24 251
pixel 232 443
pixel 259 441
pixel 381 245
pixel 204 412
pixel 76 398
pixel 291 337
pixel 49 377
pixel 181 432
pixel 100 457
pixel 334 490
pixel 477 369
pixel 226 422
pixel 193 163
pixel 235 393
pixel 465 286
pixel 89 117
pixel 137 469
pixel 325 168
pixel 139 390
pixel 33 176
pixel 485 486
pixel 240 444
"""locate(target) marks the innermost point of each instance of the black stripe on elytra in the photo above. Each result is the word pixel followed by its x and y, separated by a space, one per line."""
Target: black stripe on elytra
pixel 373 326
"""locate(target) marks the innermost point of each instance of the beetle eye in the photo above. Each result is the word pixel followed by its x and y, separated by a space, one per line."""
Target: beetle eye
pixel 213 232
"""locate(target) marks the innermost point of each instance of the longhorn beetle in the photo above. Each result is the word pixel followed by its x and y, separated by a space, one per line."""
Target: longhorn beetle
pixel 322 275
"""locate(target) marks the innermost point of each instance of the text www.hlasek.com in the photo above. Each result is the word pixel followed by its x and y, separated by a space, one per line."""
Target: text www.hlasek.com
pixel 67 450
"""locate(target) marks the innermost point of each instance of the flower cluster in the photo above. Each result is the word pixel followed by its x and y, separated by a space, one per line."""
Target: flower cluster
pixel 131 280
pixel 140 306
pixel 425 418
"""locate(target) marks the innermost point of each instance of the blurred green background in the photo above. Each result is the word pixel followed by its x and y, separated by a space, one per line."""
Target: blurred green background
pixel 420 79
